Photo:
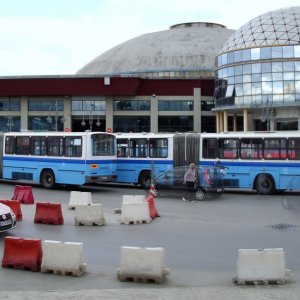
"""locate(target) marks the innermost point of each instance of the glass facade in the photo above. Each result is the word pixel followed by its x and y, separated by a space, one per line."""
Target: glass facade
pixel 261 62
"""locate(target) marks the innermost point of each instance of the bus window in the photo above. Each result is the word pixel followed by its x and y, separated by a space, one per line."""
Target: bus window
pixel 55 146
pixel 275 149
pixel 38 145
pixel 251 148
pixel 294 149
pixel 73 146
pixel 158 147
pixel 228 148
pixel 138 147
pixel 122 147
pixel 209 148
pixel 23 145
pixel 10 145
pixel 103 145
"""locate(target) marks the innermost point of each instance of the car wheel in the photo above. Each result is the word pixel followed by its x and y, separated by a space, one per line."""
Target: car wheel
pixel 200 194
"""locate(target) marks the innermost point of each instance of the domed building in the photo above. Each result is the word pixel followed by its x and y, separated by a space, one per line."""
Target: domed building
pixel 178 67
pixel 186 50
pixel 157 82
pixel 258 74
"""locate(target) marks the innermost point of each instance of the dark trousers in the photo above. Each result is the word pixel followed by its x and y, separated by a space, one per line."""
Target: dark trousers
pixel 190 190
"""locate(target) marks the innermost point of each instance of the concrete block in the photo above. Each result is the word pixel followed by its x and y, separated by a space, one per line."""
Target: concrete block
pixel 142 264
pixel 133 198
pixel 266 265
pixel 63 258
pixel 91 214
pixel 135 212
pixel 79 198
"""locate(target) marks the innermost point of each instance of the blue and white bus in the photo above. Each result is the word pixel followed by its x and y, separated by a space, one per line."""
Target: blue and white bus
pixel 262 161
pixel 50 158
pixel 142 155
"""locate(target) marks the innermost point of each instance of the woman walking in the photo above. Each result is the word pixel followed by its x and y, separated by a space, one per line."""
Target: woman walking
pixel 190 179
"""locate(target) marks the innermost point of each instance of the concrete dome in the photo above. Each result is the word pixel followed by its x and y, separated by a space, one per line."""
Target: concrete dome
pixel 278 27
pixel 185 47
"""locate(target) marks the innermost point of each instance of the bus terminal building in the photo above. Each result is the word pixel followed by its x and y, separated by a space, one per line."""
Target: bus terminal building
pixel 196 76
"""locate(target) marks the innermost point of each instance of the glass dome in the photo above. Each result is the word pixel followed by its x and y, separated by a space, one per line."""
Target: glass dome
pixel 278 27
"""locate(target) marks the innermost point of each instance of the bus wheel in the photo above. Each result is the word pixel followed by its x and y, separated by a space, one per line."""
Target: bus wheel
pixel 145 179
pixel 200 194
pixel 48 179
pixel 264 184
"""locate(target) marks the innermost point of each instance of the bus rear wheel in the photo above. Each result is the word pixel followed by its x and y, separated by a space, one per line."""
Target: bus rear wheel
pixel 48 179
pixel 264 184
pixel 145 179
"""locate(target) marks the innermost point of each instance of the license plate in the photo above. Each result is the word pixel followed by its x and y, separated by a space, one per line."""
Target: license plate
pixel 3 223
pixel 219 190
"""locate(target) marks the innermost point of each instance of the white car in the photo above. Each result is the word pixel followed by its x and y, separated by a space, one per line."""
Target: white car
pixel 8 219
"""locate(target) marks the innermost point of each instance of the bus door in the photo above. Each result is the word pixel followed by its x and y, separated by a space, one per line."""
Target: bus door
pixel 192 148
pixel 186 149
pixel 179 150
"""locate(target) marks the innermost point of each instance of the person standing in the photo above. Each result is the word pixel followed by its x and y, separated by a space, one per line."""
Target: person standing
pixel 190 179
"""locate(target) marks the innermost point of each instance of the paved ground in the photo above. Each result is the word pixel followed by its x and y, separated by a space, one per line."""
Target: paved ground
pixel 201 242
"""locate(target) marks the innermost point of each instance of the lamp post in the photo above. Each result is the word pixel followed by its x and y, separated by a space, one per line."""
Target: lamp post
pixel 56 108
pixel 91 118
pixel 10 122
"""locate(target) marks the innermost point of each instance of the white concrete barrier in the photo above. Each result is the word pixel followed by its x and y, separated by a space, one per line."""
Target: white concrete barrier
pixel 135 213
pixel 142 264
pixel 91 214
pixel 79 198
pixel 63 258
pixel 261 266
pixel 133 198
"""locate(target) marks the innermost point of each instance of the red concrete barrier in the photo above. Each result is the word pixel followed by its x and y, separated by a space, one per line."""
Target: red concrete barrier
pixel 23 194
pixel 48 213
pixel 152 208
pixel 25 254
pixel 15 206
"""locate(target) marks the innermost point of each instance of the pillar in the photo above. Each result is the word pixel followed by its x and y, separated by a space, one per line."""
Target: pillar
pixel 245 120
pixel 197 110
pixel 154 113
pixel 235 122
pixel 225 120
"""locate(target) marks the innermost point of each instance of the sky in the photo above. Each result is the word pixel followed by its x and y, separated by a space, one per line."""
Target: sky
pixel 58 37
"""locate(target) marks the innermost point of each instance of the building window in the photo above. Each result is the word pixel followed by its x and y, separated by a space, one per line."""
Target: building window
pixel 88 105
pixel 175 123
pixel 10 104
pixel 41 105
pixel 183 105
pixel 121 105
pixel 45 123
pixel 131 124
pixel 10 123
